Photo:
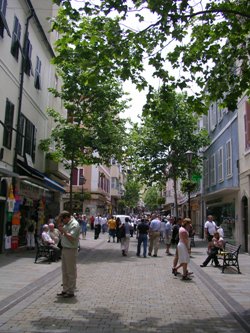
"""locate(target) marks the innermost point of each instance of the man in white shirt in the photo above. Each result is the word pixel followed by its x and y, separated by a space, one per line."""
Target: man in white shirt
pixel 210 228
pixel 154 235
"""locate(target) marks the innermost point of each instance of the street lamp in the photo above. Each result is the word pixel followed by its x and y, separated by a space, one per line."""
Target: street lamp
pixel 189 155
pixel 82 181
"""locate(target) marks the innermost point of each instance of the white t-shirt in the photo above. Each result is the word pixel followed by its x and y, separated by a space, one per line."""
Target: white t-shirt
pixel 211 227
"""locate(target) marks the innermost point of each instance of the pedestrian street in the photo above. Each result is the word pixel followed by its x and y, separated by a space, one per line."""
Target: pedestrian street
pixel 127 294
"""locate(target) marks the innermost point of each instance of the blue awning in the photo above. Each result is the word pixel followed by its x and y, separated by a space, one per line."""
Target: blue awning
pixel 53 184
pixel 49 183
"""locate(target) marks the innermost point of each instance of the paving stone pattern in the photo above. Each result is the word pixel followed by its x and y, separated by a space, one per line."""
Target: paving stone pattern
pixel 118 294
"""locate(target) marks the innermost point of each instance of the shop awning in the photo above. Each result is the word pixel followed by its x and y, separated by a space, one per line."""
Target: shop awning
pixel 7 173
pixel 49 183
pixel 53 184
pixel 30 171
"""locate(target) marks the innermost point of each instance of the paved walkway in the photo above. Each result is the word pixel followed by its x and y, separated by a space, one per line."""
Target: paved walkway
pixel 123 294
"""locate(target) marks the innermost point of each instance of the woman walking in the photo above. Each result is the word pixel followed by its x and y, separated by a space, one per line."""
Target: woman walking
pixel 183 249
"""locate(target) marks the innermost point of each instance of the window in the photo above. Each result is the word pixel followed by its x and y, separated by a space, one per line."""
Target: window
pixel 247 125
pixel 27 58
pixel 26 138
pixel 228 158
pixel 8 124
pixel 212 170
pixel 206 174
pixel 220 165
pixel 38 74
pixel 3 22
pixel 115 183
pixel 15 45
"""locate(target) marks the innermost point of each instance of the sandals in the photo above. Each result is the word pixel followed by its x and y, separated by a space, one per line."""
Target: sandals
pixel 186 278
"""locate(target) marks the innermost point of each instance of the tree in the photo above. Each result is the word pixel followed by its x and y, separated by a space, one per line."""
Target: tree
pixel 157 148
pixel 132 192
pixel 208 42
pixel 152 198
pixel 92 132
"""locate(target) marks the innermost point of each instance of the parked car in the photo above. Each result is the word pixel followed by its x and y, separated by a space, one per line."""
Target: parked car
pixel 122 217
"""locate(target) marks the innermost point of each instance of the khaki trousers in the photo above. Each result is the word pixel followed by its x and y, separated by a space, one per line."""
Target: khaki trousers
pixel 154 240
pixel 69 270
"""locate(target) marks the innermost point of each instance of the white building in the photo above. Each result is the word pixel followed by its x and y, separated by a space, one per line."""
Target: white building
pixel 26 73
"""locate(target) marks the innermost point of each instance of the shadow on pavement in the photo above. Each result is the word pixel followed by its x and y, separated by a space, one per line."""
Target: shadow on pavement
pixel 104 320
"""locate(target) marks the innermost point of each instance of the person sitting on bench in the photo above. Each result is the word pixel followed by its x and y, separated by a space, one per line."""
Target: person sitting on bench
pixel 217 244
pixel 48 241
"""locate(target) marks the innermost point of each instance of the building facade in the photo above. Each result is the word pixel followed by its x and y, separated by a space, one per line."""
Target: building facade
pixel 31 187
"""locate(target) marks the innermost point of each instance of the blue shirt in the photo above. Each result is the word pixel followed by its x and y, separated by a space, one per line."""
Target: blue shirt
pixel 155 225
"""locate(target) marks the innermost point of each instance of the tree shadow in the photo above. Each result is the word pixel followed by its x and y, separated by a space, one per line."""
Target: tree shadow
pixel 104 320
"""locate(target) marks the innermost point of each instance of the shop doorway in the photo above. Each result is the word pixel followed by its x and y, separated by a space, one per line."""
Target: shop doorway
pixel 2 220
pixel 244 203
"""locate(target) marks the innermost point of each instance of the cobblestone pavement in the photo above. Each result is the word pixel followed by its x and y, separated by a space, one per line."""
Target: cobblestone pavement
pixel 118 294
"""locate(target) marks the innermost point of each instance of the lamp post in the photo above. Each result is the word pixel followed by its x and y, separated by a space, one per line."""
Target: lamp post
pixel 82 181
pixel 189 155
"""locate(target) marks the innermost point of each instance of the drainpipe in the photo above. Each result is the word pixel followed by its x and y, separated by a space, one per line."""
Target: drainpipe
pixel 19 110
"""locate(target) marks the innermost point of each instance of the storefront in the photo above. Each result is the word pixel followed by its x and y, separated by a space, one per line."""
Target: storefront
pixel 224 210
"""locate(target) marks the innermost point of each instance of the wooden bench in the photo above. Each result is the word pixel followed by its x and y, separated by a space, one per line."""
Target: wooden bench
pixel 43 251
pixel 229 256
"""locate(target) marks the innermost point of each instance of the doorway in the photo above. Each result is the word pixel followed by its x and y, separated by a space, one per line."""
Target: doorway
pixel 244 204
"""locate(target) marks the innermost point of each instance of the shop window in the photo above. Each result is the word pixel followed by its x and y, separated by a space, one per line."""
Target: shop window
pixel 38 74
pixel 26 138
pixel 15 44
pixel 229 158
pixel 3 22
pixel 8 124
pixel 247 125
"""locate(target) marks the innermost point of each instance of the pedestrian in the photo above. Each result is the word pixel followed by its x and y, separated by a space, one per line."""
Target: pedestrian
pixel 125 236
pixel 118 230
pixel 97 226
pixel 70 231
pixel 168 235
pixel 112 228
pixel 175 241
pixel 104 224
pixel 154 235
pixel 30 233
pixel 183 249
pixel 210 228
pixel 91 221
pixel 84 226
pixel 218 244
pixel 142 236
pixel 162 230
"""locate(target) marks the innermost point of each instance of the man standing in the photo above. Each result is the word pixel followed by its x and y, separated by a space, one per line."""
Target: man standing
pixel 210 228
pixel 154 235
pixel 168 235
pixel 70 232
pixel 142 232
pixel 97 226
